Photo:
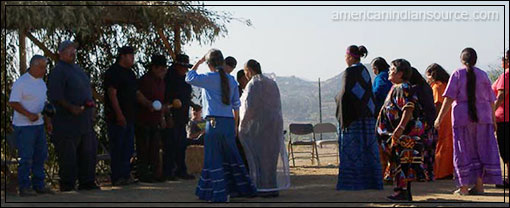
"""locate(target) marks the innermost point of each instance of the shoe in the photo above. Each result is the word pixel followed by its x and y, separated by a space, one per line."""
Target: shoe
pixel 458 192
pixel 131 180
pixel 119 182
pixel 88 187
pixel 473 191
pixel 186 177
pixel 171 178
pixel 65 188
pixel 27 192
pixel 146 179
pixel 503 186
pixel 268 194
pixel 400 196
pixel 44 190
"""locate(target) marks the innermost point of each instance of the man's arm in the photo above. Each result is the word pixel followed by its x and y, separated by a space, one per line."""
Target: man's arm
pixel 20 109
pixel 112 94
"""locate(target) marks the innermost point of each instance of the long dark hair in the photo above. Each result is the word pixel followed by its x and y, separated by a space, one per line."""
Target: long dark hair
pixel 417 78
pixel 380 64
pixel 254 65
pixel 215 59
pixel 438 73
pixel 357 51
pixel 468 58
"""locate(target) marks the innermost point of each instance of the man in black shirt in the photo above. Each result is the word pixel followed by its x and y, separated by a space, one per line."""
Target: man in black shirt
pixel 175 137
pixel 74 138
pixel 121 96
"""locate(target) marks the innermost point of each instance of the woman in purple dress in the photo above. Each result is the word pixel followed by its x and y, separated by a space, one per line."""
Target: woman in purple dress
pixel 475 151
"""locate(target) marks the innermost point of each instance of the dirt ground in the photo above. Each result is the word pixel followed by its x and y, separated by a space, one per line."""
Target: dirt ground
pixel 311 186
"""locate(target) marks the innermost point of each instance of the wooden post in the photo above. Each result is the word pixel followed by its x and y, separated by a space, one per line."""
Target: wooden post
pixel 177 39
pixel 22 52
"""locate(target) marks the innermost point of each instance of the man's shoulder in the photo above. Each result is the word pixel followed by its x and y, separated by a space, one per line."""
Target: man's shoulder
pixel 21 80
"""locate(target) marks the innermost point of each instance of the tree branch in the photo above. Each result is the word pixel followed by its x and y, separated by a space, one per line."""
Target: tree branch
pixel 47 51
pixel 166 43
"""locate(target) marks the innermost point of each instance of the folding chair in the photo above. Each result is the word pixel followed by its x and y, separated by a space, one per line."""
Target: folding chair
pixel 326 128
pixel 302 129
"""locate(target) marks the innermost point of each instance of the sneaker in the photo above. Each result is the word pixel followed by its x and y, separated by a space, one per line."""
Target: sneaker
pixel 458 192
pixel 88 187
pixel 186 177
pixel 400 196
pixel 44 190
pixel 27 192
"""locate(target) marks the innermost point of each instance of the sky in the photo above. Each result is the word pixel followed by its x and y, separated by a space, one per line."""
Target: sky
pixel 308 43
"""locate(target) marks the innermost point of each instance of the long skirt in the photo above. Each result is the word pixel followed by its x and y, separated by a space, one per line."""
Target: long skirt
pixel 476 155
pixel 407 155
pixel 429 155
pixel 224 172
pixel 360 166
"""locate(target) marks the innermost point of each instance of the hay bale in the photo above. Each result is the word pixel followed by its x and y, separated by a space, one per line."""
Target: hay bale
pixel 195 159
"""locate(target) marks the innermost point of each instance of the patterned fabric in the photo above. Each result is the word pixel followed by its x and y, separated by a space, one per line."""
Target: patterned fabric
pixel 406 156
pixel 429 151
pixel 360 166
pixel 355 100
pixel 224 172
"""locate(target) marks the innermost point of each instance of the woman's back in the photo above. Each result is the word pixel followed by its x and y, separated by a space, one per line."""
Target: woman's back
pixel 211 93
pixel 457 90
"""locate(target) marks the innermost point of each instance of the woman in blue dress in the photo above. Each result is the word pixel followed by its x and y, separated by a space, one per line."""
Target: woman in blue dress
pixel 224 174
pixel 360 166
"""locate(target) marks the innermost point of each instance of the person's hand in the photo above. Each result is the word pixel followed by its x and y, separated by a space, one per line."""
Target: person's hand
pixel 32 117
pixel 202 60
pixel 77 110
pixel 49 127
pixel 163 123
pixel 437 123
pixel 176 104
pixel 121 120
pixel 395 136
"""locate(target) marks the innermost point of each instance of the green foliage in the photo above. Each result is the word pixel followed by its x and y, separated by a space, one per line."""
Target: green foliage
pixel 100 28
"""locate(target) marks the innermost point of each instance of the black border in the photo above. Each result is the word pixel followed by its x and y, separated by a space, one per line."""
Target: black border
pixel 263 5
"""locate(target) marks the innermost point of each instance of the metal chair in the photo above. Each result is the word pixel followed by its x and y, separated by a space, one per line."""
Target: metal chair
pixel 302 129
pixel 326 128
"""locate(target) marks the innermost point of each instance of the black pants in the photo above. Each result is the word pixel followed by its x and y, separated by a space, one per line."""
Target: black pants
pixel 76 158
pixel 175 150
pixel 503 135
pixel 148 146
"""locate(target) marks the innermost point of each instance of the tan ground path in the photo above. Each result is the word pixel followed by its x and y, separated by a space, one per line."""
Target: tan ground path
pixel 309 184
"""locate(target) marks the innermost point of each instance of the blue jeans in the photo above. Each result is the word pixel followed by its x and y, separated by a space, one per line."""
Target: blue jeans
pixel 121 149
pixel 33 151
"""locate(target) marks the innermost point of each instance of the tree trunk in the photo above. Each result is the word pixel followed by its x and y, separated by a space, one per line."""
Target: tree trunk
pixel 22 52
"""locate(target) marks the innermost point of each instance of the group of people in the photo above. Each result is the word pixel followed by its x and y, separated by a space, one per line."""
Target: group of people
pixel 405 128
pixel 398 130
pixel 152 113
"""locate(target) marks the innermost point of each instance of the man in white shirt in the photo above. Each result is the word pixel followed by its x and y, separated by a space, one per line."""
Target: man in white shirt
pixel 27 98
